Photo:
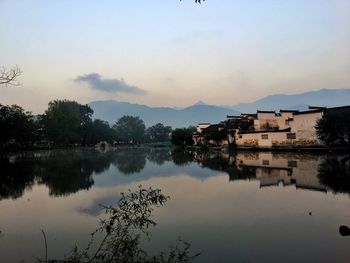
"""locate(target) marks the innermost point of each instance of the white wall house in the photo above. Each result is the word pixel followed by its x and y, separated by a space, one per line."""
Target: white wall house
pixel 294 129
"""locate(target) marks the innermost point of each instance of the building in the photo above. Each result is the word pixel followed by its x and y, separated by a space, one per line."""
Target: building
pixel 265 129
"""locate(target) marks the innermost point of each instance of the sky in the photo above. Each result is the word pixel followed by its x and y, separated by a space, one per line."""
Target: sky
pixel 172 53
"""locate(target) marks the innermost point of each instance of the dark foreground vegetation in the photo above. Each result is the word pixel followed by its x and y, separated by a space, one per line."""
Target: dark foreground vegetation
pixel 67 123
pixel 122 230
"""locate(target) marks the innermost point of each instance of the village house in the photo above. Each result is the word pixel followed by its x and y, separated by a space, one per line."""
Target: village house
pixel 265 129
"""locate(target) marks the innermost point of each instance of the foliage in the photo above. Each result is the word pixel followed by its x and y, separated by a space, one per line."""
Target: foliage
pixel 130 129
pixel 182 136
pixel 334 127
pixel 159 133
pixel 334 172
pixel 181 157
pixel 17 127
pixel 66 122
pixel 122 230
pixel 130 162
pixel 99 130
pixel 216 135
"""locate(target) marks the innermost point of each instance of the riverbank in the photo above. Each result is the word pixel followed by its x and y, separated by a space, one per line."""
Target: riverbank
pixel 275 149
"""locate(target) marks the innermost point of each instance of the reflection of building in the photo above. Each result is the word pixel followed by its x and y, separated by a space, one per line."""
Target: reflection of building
pixel 270 169
pixel 286 128
pixel 273 169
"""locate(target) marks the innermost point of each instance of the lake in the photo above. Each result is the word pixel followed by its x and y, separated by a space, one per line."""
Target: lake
pixel 244 207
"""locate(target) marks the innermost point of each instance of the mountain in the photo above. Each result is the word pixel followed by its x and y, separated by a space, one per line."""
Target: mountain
pixel 322 97
pixel 111 111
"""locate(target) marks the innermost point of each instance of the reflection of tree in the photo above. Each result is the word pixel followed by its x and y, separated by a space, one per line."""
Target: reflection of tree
pixel 218 162
pixel 15 178
pixel 130 161
pixel 334 172
pixel 159 156
pixel 182 157
pixel 64 172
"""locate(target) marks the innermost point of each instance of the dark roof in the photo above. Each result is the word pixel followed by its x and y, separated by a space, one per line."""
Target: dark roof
pixel 293 111
pixel 234 117
pixel 204 123
pixel 338 108
pixel 316 107
pixel 250 114
pixel 284 130
pixel 266 111
pixel 308 112
pixel 213 128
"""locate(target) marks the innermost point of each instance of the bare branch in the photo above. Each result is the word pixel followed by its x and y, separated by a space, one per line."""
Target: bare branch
pixel 9 76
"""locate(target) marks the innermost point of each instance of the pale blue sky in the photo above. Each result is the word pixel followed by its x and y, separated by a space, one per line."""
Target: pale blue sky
pixel 221 52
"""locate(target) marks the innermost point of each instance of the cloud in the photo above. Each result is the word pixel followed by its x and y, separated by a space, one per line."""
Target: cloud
pixel 97 82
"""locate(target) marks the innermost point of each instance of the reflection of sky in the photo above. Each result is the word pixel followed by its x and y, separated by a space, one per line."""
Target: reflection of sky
pixel 225 221
pixel 114 177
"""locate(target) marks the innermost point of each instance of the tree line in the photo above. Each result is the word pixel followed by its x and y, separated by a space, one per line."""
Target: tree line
pixel 68 123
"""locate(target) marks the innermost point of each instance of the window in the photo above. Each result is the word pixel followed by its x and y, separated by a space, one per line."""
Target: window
pixel 264 136
pixel 291 135
pixel 286 122
pixel 265 162
pixel 292 164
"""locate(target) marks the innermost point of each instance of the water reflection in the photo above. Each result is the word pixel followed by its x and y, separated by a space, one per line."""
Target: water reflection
pixel 334 172
pixel 224 204
pixel 66 172
pixel 304 171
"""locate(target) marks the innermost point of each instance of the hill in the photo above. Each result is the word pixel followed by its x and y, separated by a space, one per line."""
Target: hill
pixel 322 97
pixel 111 111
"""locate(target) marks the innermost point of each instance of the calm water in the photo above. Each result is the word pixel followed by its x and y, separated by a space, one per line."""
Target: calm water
pixel 245 208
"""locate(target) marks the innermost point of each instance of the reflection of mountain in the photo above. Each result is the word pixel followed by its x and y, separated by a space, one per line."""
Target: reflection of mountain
pixel 66 172
pixel 302 170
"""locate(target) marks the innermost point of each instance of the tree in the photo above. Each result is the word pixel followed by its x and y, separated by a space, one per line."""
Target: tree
pixel 17 127
pixel 182 136
pixel 334 127
pixel 9 76
pixel 99 130
pixel 159 133
pixel 123 229
pixel 130 129
pixel 66 122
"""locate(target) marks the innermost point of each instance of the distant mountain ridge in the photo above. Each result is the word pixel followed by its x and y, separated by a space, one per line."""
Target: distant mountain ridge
pixel 322 97
pixel 111 110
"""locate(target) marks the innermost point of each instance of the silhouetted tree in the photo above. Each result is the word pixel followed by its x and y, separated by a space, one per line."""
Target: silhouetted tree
pixel 334 127
pixel 17 127
pixel 159 133
pixel 130 129
pixel 66 122
pixel 9 76
pixel 99 130
pixel 122 230
pixel 182 136
pixel 334 172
